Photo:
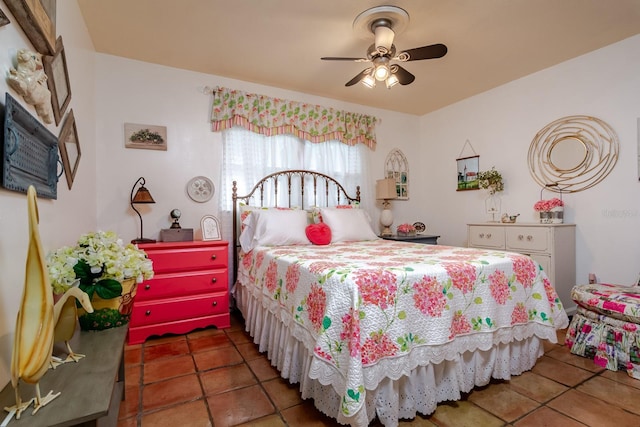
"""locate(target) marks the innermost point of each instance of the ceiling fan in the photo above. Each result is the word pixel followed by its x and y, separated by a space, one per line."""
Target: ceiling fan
pixel 385 22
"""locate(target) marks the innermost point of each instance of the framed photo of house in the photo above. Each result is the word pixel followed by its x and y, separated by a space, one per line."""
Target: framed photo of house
pixel 37 18
pixel 149 137
pixel 210 228
pixel 69 146
pixel 468 168
pixel 55 67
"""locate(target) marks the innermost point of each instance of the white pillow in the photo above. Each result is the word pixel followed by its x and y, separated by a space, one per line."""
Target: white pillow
pixel 348 225
pixel 274 227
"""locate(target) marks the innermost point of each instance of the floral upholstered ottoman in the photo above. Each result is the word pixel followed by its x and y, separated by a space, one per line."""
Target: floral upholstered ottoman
pixel 606 326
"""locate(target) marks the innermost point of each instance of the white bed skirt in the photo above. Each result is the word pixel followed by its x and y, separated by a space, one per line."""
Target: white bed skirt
pixel 391 400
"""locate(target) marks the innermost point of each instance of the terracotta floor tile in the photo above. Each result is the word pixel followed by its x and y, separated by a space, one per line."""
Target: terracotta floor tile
pixel 217 358
pixel 262 369
pixel 306 415
pixel 163 369
pixel 250 351
pixel 128 422
pixel 463 414
pixel 239 406
pixel 198 333
pixel 167 338
pixel 192 414
pixel 133 354
pixel 166 349
pixel 592 411
pixel 418 421
pixel 545 417
pixel 209 342
pixel 132 374
pixel 283 394
pixel 560 371
pixel 240 337
pixel 228 378
pixel 536 387
pixel 621 377
pixel 268 421
pixel 615 393
pixel 131 405
pixel 564 355
pixel 170 392
pixel 502 401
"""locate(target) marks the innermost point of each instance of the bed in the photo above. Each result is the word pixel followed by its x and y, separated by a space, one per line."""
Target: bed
pixel 372 328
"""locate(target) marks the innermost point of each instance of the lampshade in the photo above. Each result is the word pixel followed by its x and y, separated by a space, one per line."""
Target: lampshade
pixel 386 189
pixel 369 81
pixel 142 196
pixel 391 81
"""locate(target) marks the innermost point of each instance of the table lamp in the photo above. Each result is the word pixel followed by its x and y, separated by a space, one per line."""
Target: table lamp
pixel 142 196
pixel 385 191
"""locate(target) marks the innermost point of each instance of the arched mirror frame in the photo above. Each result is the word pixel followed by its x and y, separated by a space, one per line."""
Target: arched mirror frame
pixel 573 154
pixel 397 167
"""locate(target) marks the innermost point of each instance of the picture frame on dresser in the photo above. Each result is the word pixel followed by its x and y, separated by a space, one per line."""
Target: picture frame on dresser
pixel 210 228
pixel 55 67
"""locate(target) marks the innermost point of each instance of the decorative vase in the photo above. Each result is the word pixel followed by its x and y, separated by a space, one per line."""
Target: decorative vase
pixel 557 215
pixel 109 313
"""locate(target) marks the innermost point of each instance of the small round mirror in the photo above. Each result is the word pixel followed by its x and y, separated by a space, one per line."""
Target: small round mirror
pixel 567 154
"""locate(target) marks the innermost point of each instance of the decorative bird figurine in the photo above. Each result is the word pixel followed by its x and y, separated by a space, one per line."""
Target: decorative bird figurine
pixel 33 340
pixel 65 319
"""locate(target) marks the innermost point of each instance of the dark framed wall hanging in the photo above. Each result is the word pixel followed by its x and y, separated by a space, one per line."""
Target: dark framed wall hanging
pixel 55 67
pixel 468 168
pixel 3 19
pixel 29 152
pixel 69 145
pixel 37 18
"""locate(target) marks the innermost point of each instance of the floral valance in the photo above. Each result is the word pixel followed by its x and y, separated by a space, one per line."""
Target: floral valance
pixel 273 116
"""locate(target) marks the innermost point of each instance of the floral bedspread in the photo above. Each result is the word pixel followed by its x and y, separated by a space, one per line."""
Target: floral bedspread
pixel 376 309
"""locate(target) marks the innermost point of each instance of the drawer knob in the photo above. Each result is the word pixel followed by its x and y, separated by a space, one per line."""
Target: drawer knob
pixel 214 280
pixel 520 237
pixel 481 235
pixel 215 303
pixel 213 257
pixel 147 313
pixel 529 237
pixel 147 287
pixel 488 235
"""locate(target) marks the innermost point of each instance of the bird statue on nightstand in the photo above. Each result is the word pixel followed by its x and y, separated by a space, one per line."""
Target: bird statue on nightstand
pixel 65 319
pixel 33 340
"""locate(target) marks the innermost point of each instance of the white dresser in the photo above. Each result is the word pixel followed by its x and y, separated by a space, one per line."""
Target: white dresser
pixel 553 246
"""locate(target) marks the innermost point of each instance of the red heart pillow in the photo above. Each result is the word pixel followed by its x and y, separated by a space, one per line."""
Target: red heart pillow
pixel 318 234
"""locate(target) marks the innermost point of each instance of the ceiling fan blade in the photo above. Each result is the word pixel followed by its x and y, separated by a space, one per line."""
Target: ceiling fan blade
pixel 404 77
pixel 359 77
pixel 425 52
pixel 338 58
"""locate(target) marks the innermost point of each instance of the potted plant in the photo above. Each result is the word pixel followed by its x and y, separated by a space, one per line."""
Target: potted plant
pixel 491 180
pixel 406 230
pixel 107 270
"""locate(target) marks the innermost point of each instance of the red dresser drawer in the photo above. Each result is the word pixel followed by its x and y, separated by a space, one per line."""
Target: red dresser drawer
pixel 171 285
pixel 152 312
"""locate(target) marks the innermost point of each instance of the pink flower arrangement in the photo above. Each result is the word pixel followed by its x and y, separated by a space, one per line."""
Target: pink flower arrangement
pixel 547 205
pixel 406 228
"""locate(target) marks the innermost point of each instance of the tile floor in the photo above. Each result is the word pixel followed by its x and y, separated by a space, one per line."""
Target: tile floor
pixel 218 378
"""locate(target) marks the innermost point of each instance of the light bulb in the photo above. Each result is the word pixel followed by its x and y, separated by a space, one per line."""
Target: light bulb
pixel 382 72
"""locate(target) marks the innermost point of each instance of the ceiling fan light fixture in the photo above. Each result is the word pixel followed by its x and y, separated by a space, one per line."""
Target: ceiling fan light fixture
pixel 369 81
pixel 391 81
pixel 383 34
pixel 382 72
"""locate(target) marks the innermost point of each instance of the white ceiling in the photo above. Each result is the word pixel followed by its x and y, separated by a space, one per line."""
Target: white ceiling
pixel 279 42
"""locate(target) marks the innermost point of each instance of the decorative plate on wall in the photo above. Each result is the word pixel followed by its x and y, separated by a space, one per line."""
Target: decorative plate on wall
pixel 200 189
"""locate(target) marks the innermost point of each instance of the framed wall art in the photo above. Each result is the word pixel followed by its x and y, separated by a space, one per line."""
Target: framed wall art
pixel 37 18
pixel 69 146
pixel 397 167
pixel 210 228
pixel 55 67
pixel 3 19
pixel 468 168
pixel 149 137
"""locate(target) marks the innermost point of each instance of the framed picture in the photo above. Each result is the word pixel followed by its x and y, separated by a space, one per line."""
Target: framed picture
pixel 148 137
pixel 210 228
pixel 3 19
pixel 468 168
pixel 58 79
pixel 37 18
pixel 69 146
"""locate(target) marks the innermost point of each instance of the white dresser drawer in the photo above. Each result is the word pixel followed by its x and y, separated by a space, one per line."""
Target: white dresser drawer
pixel 527 239
pixel 486 236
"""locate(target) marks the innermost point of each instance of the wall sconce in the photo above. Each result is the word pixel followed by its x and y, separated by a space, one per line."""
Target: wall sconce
pixel 142 196
pixel 385 191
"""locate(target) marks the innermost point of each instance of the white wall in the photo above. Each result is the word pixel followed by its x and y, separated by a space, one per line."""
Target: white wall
pixel 501 123
pixel 73 213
